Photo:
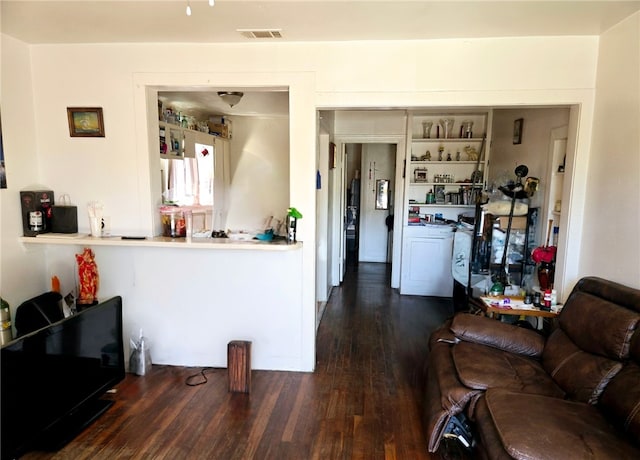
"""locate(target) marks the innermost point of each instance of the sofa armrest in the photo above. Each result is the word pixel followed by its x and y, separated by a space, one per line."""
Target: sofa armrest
pixel 507 337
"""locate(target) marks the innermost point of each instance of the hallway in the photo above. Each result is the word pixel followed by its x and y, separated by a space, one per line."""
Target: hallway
pixel 372 343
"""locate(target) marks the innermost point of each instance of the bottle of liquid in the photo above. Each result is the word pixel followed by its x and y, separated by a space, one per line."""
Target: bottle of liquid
pixel 547 299
pixel 431 197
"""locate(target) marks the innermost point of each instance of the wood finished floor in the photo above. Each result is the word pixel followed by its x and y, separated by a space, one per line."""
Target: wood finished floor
pixel 362 402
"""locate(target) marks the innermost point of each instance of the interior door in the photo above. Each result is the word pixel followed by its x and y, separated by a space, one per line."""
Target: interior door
pixel 378 163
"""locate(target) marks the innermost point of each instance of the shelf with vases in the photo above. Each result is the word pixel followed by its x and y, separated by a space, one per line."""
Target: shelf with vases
pixel 444 162
pixel 446 140
pixel 447 157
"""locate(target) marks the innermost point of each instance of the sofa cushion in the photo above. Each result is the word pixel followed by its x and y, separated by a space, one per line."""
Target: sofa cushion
pixel 481 367
pixel 487 331
pixel 553 428
pixel 598 325
pixel 621 401
pixel 583 376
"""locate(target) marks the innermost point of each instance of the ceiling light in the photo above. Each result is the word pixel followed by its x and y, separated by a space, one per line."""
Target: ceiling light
pixel 211 3
pixel 230 97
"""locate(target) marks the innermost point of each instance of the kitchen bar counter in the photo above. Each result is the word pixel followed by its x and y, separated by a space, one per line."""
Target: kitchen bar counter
pixel 160 242
pixel 192 298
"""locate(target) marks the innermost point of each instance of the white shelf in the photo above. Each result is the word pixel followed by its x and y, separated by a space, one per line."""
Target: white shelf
pixel 443 205
pixel 161 242
pixel 171 156
pixel 448 140
pixel 460 172
pixel 445 162
pixel 477 184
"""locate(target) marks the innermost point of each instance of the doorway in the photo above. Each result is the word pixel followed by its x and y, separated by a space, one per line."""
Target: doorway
pixel 371 188
pixel 376 207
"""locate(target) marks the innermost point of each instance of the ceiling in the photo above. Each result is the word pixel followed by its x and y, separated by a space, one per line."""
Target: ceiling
pixel 165 21
pixel 203 104
pixel 109 21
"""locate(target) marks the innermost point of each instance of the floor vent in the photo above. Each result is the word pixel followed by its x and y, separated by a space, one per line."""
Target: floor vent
pixel 261 33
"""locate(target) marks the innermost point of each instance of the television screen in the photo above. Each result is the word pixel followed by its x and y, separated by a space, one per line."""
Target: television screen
pixel 52 378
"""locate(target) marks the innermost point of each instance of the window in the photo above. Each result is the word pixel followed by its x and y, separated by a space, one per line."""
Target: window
pixel 189 181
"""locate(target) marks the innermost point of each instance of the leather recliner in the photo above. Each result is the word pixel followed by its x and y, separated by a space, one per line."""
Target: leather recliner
pixel 575 394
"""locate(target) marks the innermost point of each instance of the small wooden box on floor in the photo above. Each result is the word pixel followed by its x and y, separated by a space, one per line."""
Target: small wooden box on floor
pixel 239 366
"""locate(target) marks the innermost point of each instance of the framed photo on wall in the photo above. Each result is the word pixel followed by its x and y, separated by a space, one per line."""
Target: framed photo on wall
pixel 85 121
pixel 517 131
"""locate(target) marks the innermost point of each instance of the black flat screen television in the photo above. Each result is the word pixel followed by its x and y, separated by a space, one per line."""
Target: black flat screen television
pixel 53 378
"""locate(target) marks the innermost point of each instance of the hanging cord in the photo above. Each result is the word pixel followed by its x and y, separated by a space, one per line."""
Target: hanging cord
pixel 201 375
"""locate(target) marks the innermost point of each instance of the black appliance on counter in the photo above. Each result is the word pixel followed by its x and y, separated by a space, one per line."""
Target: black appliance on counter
pixel 36 210
pixel 53 378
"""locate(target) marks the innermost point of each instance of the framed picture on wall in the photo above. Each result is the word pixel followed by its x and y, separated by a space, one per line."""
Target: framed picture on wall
pixel 85 121
pixel 517 131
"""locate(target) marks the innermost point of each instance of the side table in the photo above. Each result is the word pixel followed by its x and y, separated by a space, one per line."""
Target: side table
pixel 493 306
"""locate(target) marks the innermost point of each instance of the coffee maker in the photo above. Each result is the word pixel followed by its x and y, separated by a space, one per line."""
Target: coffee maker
pixel 36 211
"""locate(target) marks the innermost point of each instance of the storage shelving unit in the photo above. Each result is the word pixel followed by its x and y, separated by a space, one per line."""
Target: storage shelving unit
pixel 171 139
pixel 444 175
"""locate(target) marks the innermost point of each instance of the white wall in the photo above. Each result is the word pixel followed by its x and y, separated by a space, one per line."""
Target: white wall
pixel 259 172
pixel 191 302
pixel 323 287
pixel 22 270
pixel 611 246
pixel 115 169
pixel 532 152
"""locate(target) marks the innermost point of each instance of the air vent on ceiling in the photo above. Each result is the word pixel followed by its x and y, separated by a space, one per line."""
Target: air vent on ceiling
pixel 261 33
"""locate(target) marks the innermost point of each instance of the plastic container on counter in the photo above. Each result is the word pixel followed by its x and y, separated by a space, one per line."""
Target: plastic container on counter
pixel 174 221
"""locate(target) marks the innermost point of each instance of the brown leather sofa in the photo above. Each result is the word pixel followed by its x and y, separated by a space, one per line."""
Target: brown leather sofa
pixel 575 394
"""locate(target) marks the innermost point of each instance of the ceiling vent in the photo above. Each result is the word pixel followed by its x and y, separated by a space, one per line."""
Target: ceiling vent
pixel 261 33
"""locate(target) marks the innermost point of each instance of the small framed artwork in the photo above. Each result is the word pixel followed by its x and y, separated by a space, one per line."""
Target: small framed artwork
pixel 85 121
pixel 420 175
pixel 332 155
pixel 517 131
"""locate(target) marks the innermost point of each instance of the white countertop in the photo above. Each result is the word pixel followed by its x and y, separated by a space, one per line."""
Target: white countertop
pixel 159 242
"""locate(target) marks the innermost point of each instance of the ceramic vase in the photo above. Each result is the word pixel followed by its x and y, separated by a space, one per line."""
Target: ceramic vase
pixel 545 275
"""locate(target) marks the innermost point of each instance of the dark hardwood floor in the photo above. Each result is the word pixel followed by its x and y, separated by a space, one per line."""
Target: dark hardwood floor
pixel 362 402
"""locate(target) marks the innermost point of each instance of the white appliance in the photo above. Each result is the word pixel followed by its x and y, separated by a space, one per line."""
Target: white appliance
pixel 426 261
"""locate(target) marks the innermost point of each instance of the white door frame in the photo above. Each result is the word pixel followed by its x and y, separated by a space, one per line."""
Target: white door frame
pixel 400 142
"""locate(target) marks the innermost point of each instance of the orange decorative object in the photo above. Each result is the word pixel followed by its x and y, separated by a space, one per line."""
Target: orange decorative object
pixel 89 278
pixel 55 284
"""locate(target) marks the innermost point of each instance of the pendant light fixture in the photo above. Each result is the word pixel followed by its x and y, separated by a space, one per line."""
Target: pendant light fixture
pixel 230 97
